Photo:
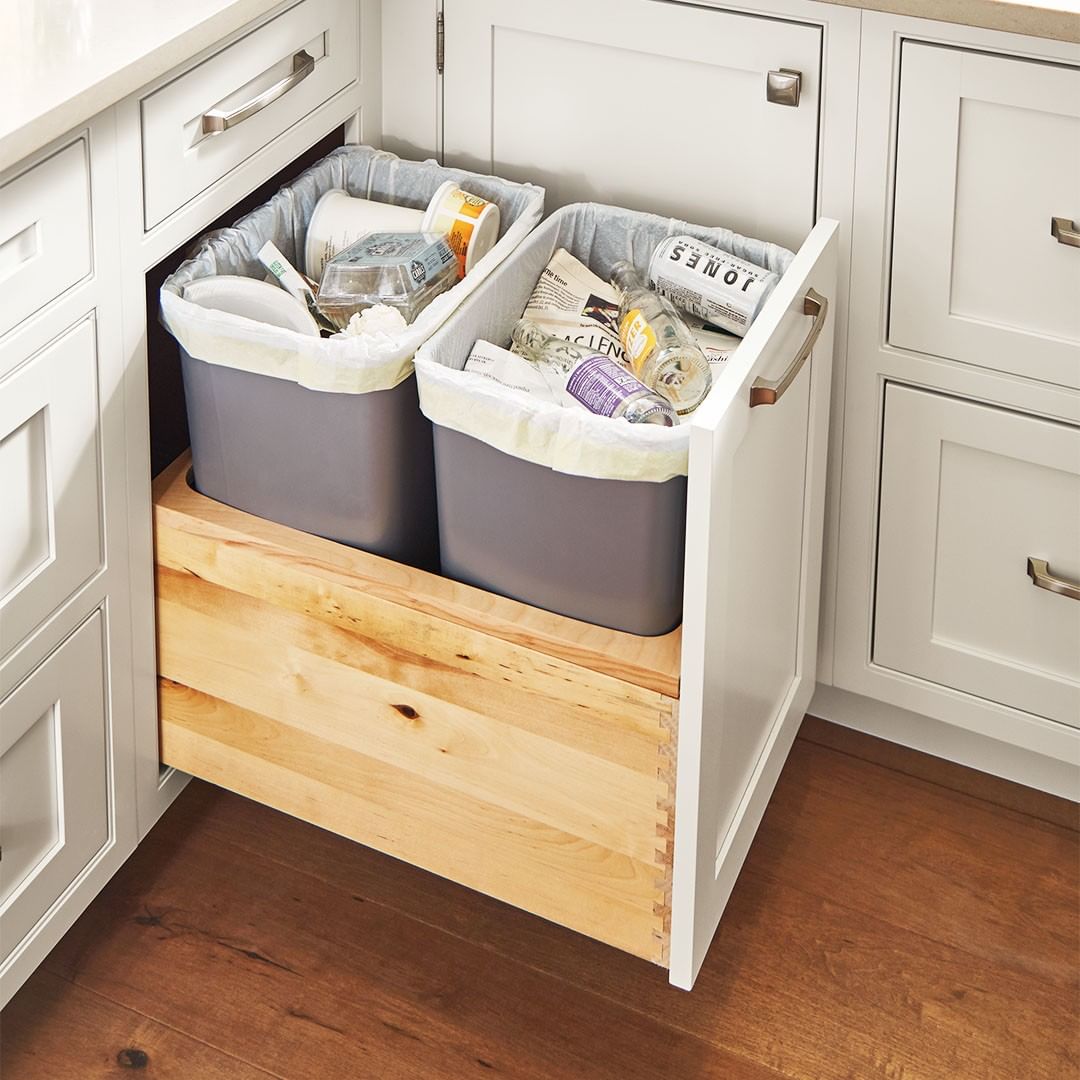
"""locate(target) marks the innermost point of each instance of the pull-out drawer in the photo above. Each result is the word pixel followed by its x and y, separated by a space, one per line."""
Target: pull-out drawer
pixel 51 537
pixel 45 238
pixel 522 753
pixel 719 105
pixel 54 814
pixel 210 119
pixel 986 247
pixel 979 552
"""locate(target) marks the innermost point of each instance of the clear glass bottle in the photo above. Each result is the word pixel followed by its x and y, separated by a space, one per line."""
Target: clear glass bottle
pixel 602 385
pixel 659 345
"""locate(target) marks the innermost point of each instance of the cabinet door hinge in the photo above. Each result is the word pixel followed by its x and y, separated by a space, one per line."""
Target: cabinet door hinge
pixel 440 42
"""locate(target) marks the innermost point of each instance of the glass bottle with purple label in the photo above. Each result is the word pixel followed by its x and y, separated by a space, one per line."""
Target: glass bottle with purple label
pixel 602 385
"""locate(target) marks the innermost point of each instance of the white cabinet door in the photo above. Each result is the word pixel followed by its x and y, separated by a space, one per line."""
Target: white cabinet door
pixel 50 479
pixel 753 569
pixel 988 155
pixel 656 107
pixel 45 243
pixel 54 790
pixel 971 497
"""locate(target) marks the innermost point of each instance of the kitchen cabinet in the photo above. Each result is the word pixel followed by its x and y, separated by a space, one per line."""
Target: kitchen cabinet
pixel 971 498
pixel 49 464
pixel 67 790
pixel 203 124
pixel 987 161
pixel 54 791
pixel 961 408
pixel 657 107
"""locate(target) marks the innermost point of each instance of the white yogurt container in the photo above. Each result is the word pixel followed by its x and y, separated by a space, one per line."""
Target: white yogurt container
pixel 339 220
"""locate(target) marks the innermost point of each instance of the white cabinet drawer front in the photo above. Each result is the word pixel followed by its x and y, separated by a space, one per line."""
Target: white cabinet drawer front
pixel 51 539
pixel 44 233
pixel 267 66
pixel 988 155
pixel 657 107
pixel 54 814
pixel 970 493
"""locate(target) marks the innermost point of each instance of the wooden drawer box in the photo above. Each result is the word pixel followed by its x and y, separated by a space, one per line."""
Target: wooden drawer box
pixel 517 752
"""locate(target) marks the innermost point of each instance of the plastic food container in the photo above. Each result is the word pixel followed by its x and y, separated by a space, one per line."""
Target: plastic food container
pixel 469 223
pixel 402 270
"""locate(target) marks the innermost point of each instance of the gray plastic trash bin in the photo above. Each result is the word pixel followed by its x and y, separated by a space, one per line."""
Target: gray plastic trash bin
pixel 355 467
pixel 606 551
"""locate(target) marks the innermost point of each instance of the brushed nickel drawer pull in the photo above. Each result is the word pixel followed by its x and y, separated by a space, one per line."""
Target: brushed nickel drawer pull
pixel 1064 231
pixel 1039 572
pixel 784 87
pixel 216 121
pixel 768 392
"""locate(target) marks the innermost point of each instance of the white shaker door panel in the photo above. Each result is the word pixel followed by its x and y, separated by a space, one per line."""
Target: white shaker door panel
pixel 54 793
pixel 654 106
pixel 969 494
pixel 755 512
pixel 988 155
pixel 51 540
pixel 45 244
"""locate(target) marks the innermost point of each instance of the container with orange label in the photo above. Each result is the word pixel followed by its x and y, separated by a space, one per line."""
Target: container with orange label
pixel 470 224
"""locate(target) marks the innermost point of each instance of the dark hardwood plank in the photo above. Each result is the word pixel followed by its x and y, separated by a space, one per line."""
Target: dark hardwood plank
pixel 308 979
pixel 947 774
pixel 63 1032
pixel 800 983
pixel 983 878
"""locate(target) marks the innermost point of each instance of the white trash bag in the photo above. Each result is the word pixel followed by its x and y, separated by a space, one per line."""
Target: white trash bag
pixel 568 440
pixel 342 363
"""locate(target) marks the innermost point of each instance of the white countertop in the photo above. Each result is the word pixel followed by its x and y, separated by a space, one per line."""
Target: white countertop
pixel 63 61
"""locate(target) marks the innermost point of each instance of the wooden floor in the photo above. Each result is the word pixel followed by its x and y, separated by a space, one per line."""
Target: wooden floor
pixel 897 917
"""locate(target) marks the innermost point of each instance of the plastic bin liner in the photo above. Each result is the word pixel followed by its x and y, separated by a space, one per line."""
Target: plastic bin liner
pixel 568 440
pixel 342 364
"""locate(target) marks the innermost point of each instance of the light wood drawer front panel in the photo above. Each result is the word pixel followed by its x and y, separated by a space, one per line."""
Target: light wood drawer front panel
pixel 45 240
pixel 305 676
pixel 51 539
pixel 179 161
pixel 968 494
pixel 53 779
pixel 988 154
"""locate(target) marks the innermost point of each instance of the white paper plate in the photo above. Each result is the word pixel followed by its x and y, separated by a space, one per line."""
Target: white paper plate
pixel 253 299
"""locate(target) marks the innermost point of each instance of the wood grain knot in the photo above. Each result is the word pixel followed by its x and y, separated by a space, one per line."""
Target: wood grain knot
pixel 130 1058
pixel 408 712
